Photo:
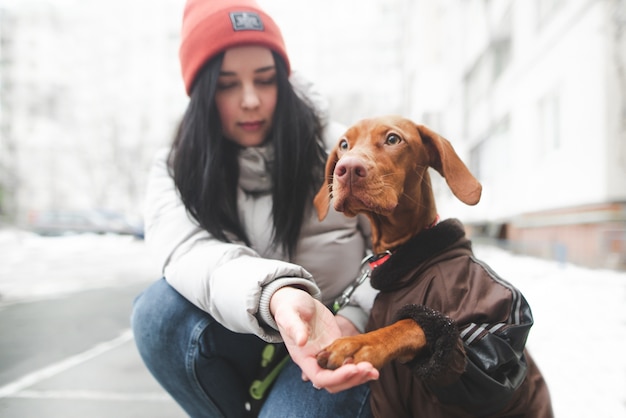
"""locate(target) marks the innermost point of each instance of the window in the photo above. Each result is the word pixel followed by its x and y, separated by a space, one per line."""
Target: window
pixel 489 159
pixel 549 121
pixel 546 9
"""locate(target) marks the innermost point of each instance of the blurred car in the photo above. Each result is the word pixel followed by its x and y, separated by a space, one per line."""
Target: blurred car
pixel 65 222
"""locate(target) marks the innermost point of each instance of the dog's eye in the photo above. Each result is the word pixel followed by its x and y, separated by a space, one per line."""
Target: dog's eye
pixel 343 145
pixel 393 139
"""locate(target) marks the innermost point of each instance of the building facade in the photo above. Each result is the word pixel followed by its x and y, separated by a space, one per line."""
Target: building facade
pixel 534 93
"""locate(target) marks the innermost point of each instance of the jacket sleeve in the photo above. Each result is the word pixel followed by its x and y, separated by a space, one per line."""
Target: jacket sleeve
pixel 496 365
pixel 495 368
pixel 230 281
pixel 492 334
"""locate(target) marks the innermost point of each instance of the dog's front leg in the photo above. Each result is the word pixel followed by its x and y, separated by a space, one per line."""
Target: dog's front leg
pixel 427 340
pixel 401 340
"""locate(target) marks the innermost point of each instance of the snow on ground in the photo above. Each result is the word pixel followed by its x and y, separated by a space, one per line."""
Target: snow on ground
pixel 33 267
pixel 579 337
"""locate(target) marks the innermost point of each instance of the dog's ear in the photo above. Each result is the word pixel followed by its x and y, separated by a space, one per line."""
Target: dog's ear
pixel 444 159
pixel 322 198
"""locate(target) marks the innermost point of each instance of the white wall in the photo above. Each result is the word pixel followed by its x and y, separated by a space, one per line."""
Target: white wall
pixel 563 62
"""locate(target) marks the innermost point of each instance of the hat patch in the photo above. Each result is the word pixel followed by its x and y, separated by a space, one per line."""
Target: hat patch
pixel 246 21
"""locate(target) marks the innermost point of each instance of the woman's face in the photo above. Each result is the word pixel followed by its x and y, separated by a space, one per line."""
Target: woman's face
pixel 246 94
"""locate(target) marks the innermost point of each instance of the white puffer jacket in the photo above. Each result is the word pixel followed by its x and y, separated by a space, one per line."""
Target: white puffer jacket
pixel 234 282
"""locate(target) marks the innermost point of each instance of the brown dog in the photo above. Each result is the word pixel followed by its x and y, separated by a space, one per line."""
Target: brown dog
pixel 380 168
pixel 444 327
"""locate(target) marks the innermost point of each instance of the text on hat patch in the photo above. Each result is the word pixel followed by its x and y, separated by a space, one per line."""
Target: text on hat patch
pixel 246 21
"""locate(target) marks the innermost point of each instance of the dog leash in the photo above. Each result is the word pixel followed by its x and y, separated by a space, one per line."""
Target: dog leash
pixel 368 264
pixel 274 357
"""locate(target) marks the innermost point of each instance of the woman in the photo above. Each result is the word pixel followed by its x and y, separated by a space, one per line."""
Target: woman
pixel 229 216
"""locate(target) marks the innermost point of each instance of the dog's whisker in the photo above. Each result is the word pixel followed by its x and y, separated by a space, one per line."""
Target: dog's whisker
pixel 412 200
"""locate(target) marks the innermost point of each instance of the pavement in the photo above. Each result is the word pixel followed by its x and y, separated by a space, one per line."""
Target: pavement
pixel 74 356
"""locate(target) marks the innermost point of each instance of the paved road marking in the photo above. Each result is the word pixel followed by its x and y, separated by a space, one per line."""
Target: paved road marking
pixel 47 372
pixel 91 395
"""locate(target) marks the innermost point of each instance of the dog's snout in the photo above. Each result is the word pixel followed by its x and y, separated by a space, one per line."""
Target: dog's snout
pixel 350 167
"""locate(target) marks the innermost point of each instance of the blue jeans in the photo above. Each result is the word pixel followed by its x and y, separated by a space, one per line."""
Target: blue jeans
pixel 208 369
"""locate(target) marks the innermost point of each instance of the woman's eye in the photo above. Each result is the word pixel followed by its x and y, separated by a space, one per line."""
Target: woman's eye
pixel 343 145
pixel 225 86
pixel 267 81
pixel 393 139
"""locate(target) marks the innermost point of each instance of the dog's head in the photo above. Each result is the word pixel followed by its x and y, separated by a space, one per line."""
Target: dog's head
pixel 380 161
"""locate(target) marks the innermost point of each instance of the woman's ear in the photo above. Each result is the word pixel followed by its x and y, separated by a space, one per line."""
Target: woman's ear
pixel 445 160
pixel 323 196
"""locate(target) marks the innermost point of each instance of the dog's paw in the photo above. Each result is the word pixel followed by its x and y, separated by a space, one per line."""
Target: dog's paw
pixel 347 350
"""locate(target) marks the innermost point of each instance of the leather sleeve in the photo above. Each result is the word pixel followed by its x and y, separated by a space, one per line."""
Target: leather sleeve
pixel 493 372
pixel 496 365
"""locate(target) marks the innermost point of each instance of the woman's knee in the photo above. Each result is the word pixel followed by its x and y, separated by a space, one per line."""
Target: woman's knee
pixel 164 323
pixel 192 356
pixel 147 319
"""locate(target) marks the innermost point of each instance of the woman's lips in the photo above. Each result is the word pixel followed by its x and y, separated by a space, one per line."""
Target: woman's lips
pixel 252 125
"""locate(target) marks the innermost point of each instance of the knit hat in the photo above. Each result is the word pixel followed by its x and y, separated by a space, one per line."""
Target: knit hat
pixel 212 26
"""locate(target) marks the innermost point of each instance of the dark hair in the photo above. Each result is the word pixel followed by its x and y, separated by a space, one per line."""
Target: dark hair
pixel 205 168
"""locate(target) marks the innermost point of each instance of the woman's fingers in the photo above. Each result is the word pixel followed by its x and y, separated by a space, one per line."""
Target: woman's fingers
pixel 345 377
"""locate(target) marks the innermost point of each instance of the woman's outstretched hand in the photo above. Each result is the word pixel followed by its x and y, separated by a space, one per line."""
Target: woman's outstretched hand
pixel 307 326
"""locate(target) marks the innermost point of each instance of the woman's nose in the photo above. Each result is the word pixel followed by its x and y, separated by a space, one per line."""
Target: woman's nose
pixel 250 98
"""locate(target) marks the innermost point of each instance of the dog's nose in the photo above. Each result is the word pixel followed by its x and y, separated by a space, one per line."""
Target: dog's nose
pixel 350 168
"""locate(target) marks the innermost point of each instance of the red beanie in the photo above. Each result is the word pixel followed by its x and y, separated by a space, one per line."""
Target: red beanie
pixel 212 26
